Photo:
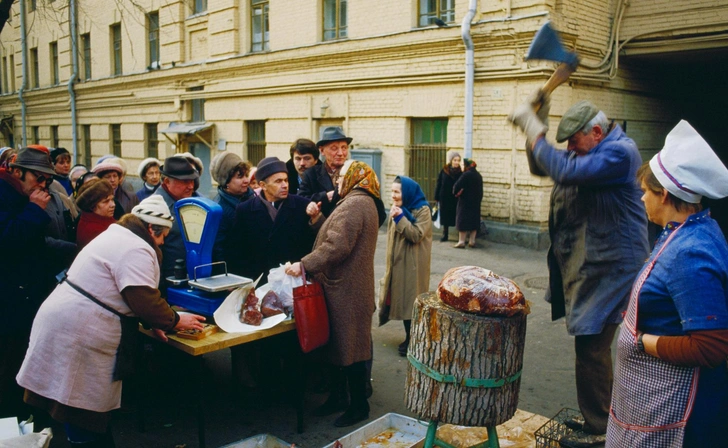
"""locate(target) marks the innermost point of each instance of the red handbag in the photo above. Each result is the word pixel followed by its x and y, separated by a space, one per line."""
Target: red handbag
pixel 311 315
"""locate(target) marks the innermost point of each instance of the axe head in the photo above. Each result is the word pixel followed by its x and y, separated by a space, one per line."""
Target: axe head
pixel 546 45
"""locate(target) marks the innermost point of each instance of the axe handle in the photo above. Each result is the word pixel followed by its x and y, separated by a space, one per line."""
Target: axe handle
pixel 559 76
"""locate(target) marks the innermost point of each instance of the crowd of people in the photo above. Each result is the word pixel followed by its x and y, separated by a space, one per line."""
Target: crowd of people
pixel 83 234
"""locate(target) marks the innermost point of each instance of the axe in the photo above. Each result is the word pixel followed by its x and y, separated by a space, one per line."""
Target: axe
pixel 547 45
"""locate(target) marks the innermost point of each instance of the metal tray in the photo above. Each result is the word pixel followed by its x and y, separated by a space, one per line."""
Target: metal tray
pixel 390 430
pixel 220 282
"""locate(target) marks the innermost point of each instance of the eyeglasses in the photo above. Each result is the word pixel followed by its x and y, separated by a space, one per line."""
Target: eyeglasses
pixel 42 178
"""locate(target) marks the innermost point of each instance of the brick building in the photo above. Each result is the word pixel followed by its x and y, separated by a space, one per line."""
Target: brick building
pixel 251 76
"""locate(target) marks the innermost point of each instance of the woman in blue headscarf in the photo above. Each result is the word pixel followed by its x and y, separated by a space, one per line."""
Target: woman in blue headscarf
pixel 409 245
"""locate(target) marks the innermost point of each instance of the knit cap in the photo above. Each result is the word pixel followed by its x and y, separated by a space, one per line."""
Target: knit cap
pixel 153 210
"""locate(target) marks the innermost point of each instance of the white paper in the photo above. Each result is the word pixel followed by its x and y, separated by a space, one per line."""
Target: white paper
pixel 227 316
pixel 9 428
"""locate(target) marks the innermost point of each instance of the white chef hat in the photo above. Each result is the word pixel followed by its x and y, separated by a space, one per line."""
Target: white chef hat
pixel 688 168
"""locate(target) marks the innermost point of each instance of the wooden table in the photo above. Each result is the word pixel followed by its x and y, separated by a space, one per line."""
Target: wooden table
pixel 220 341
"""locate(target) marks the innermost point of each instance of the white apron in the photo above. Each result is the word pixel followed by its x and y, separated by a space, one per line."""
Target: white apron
pixel 651 400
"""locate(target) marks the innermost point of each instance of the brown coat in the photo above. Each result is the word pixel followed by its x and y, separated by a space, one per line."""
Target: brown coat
pixel 343 261
pixel 409 246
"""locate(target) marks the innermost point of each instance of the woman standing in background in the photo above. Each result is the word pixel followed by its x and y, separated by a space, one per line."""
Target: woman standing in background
pixel 447 201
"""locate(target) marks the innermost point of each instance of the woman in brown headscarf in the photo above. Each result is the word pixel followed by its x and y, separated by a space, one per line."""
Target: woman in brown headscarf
pixel 343 261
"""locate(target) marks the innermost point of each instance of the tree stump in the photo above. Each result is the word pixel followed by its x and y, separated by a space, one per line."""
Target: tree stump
pixel 456 358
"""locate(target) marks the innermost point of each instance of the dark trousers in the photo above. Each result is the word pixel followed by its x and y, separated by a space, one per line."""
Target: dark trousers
pixel 594 377
pixel 12 353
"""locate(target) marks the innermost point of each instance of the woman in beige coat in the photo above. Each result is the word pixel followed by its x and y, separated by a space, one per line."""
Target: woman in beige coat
pixel 409 246
pixel 342 260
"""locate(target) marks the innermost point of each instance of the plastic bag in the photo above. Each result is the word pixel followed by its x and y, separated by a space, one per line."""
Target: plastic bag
pixel 436 216
pixel 282 284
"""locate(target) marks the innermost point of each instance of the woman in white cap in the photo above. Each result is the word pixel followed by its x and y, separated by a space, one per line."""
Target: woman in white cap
pixel 670 381
pixel 82 332
pixel 149 172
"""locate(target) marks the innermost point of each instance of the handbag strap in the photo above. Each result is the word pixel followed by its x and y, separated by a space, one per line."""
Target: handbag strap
pixel 303 273
pixel 92 298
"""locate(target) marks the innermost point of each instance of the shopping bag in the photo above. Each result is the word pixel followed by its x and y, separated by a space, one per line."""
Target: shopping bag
pixel 311 315
pixel 436 216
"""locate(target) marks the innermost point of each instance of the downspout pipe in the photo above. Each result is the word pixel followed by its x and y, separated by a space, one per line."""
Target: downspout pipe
pixel 24 59
pixel 74 77
pixel 469 77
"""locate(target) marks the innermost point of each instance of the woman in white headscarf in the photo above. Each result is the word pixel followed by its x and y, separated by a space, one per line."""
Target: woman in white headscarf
pixel 76 359
pixel 670 381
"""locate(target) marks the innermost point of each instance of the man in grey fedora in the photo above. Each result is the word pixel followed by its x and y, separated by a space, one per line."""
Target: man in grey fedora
pixel 319 181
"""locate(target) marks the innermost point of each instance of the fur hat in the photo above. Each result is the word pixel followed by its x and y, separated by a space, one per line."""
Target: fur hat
pixel 146 164
pixel 153 210
pixel 92 192
pixel 268 167
pixel 222 165
pixel 451 155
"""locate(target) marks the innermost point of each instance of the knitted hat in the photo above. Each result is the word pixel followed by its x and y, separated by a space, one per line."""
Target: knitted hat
pixel 92 192
pixel 221 166
pixel 451 155
pixel 33 158
pixel 153 210
pixel 107 165
pixel 268 167
pixel 146 164
pixel 575 119
pixel 688 167
pixel 58 152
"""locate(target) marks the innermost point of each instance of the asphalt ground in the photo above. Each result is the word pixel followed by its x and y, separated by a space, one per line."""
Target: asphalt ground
pixel 233 412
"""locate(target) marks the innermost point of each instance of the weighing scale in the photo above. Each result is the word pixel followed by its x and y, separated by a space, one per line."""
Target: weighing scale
pixel 195 288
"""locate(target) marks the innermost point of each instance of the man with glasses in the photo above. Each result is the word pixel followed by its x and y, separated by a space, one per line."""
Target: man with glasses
pixel 23 221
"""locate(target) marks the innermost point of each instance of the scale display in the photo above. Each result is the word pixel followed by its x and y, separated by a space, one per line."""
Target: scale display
pixel 192 220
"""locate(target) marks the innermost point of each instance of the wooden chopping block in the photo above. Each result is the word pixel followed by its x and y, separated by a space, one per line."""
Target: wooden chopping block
pixel 464 368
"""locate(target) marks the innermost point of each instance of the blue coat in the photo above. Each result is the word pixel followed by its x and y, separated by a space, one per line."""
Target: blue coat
pixel 228 203
pixel 256 243
pixel 22 238
pixel 598 230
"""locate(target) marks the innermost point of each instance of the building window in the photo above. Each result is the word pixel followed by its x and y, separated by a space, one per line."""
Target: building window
pixel 197 106
pixel 436 9
pixel 34 70
pixel 86 49
pixel 259 19
pixel 86 144
pixel 116 140
pixel 5 74
pixel 11 73
pixel 35 134
pixel 116 48
pixel 153 31
pixel 334 19
pixel 199 6
pixel 427 152
pixel 54 136
pixel 152 140
pixel 54 64
pixel 256 141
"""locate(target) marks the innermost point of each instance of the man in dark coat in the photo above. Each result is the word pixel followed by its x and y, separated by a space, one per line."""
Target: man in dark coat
pixel 304 155
pixel 23 223
pixel 598 230
pixel 319 182
pixel 178 182
pixel 269 229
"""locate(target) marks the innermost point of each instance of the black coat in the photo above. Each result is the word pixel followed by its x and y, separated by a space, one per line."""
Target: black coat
pixel 292 177
pixel 23 284
pixel 255 244
pixel 444 195
pixel 316 183
pixel 468 209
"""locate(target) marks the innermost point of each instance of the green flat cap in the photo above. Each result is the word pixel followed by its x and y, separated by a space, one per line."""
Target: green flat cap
pixel 574 119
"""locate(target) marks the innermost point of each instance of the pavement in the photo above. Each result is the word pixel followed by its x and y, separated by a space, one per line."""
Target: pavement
pixel 547 382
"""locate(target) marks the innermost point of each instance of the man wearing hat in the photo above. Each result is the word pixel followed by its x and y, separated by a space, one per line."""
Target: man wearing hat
pixel 178 182
pixel 598 230
pixel 271 228
pixel 23 222
pixel 319 182
pixel 233 180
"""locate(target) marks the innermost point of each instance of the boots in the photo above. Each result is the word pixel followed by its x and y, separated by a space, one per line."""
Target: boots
pixel 338 397
pixel 444 234
pixel 358 410
pixel 404 345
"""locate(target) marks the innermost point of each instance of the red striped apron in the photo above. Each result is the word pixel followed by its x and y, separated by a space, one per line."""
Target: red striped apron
pixel 651 399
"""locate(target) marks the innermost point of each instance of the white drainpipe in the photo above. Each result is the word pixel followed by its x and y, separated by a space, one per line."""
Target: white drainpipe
pixel 469 78
pixel 73 78
pixel 24 59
